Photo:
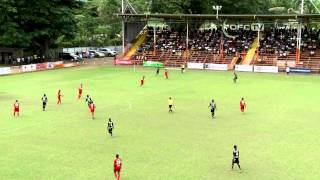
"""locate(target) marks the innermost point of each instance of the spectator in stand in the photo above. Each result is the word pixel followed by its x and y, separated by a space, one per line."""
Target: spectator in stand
pixel 274 41
pixel 312 53
pixel 18 60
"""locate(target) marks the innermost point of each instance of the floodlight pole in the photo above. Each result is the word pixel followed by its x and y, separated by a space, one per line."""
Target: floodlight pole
pixel 122 11
pixel 302 4
pixel 187 38
pixel 217 9
pixel 298 53
pixel 154 39
pixel 122 6
pixel 258 45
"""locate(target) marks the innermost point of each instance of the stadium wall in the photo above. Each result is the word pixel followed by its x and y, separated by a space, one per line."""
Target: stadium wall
pixel 35 67
pixel 224 67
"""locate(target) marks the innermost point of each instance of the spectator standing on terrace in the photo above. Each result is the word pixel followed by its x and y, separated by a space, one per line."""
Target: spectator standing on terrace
pixel 18 60
pixel 28 59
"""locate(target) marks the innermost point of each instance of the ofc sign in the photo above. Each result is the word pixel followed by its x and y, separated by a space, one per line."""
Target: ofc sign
pixel 252 27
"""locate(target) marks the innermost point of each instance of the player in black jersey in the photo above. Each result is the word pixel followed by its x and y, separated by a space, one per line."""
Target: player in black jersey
pixel 110 126
pixel 89 100
pixel 158 71
pixel 44 100
pixel 213 107
pixel 236 155
pixel 235 77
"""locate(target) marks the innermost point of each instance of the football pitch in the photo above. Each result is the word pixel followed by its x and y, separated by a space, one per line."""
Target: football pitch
pixel 278 135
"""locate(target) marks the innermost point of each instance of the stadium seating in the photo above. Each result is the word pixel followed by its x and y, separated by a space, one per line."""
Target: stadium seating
pixel 211 46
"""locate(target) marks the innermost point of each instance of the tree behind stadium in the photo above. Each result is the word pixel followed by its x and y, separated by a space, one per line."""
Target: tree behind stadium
pixel 205 6
pixel 36 24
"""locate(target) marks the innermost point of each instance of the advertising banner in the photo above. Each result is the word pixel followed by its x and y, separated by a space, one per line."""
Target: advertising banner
pixel 69 65
pixel 195 65
pixel 284 63
pixel 267 69
pixel 152 64
pixel 58 64
pixel 244 68
pixel 5 70
pixel 29 68
pixel 122 62
pixel 41 66
pixel 218 67
pixel 50 65
pixel 15 69
pixel 299 70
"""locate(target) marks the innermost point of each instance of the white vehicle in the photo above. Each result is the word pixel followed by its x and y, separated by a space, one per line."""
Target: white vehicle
pixel 69 56
pixel 96 53
pixel 108 52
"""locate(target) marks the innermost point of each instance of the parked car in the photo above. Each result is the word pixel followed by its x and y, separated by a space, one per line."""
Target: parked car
pixel 96 53
pixel 108 52
pixel 69 56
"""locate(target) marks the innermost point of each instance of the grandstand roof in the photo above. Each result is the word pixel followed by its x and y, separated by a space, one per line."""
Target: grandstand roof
pixel 224 16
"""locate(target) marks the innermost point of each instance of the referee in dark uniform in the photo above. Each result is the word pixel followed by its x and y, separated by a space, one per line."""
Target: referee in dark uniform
pixel 236 154
pixel 44 100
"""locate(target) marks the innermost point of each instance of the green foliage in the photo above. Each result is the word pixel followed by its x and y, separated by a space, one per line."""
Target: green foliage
pixel 205 6
pixel 41 24
pixel 36 23
pixel 96 25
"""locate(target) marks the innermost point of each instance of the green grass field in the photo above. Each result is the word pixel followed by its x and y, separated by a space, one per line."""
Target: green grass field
pixel 278 136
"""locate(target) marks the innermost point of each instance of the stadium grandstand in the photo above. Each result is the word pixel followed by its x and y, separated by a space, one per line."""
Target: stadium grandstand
pixel 264 40
pixel 171 90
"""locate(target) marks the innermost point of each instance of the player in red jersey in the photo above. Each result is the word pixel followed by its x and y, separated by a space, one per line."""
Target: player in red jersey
pixel 242 105
pixel 117 163
pixel 16 108
pixel 59 97
pixel 80 91
pixel 92 107
pixel 166 74
pixel 142 81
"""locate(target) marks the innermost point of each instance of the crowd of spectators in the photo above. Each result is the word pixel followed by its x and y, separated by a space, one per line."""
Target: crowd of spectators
pixel 174 40
pixel 23 60
pixel 280 42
